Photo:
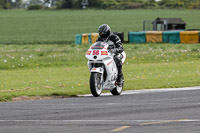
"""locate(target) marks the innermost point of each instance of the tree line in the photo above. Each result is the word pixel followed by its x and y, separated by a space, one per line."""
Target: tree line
pixel 100 4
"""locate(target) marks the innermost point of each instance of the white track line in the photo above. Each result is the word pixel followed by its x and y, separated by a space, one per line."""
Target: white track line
pixel 180 120
pixel 130 92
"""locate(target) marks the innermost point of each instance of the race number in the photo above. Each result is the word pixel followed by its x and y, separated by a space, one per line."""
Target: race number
pixel 95 52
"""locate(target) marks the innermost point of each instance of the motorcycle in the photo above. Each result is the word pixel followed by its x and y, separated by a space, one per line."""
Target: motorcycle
pixel 103 70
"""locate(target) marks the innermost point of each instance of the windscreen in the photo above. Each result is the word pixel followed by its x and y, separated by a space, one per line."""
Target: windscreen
pixel 98 45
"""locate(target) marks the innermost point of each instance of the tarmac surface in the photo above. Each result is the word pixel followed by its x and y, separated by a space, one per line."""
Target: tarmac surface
pixel 144 111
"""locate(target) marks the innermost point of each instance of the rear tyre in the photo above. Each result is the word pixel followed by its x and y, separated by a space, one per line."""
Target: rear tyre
pixel 118 90
pixel 95 84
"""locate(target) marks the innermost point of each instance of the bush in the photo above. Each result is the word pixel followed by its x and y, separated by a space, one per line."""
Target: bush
pixel 67 4
pixel 133 5
pixel 59 4
pixel 35 7
pixel 109 4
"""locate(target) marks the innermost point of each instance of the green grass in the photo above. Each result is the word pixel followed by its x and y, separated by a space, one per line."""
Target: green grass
pixel 52 81
pixel 62 69
pixel 36 56
pixel 60 27
pixel 57 68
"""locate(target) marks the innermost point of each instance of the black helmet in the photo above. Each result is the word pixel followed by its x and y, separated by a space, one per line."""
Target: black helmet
pixel 104 31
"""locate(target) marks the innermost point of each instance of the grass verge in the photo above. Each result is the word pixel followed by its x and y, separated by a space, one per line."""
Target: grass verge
pixel 61 70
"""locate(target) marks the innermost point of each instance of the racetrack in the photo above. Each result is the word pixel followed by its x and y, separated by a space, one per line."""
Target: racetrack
pixel 146 111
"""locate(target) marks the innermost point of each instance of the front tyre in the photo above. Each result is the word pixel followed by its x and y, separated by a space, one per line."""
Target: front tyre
pixel 118 90
pixel 95 84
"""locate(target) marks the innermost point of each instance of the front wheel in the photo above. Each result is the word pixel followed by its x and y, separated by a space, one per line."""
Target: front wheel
pixel 96 84
pixel 118 90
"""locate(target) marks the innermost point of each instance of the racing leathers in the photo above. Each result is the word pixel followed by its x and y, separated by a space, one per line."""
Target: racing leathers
pixel 118 56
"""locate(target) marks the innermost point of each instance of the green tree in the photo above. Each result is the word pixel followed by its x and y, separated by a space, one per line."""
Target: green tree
pixel 5 4
pixel 35 2
pixel 67 4
pixel 15 4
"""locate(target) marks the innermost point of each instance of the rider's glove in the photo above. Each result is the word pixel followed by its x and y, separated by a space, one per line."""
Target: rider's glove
pixel 113 51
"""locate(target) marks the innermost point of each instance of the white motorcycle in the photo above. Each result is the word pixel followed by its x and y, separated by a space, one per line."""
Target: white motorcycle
pixel 103 69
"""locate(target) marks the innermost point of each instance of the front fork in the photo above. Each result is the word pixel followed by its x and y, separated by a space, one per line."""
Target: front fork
pixel 99 70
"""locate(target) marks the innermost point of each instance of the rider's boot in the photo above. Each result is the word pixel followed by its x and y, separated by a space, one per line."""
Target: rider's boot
pixel 120 80
pixel 120 77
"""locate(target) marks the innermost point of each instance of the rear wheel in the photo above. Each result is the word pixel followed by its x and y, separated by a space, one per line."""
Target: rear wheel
pixel 118 90
pixel 95 84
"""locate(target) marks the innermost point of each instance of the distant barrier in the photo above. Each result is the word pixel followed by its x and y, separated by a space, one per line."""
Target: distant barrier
pixel 90 38
pixel 154 36
pixel 78 39
pixel 189 36
pixel 86 38
pixel 174 37
pixel 171 37
pixel 137 37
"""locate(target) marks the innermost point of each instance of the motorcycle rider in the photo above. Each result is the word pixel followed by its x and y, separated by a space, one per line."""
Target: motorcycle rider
pixel 105 34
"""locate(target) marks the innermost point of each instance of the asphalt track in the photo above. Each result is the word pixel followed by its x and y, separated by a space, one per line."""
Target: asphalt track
pixel 146 111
